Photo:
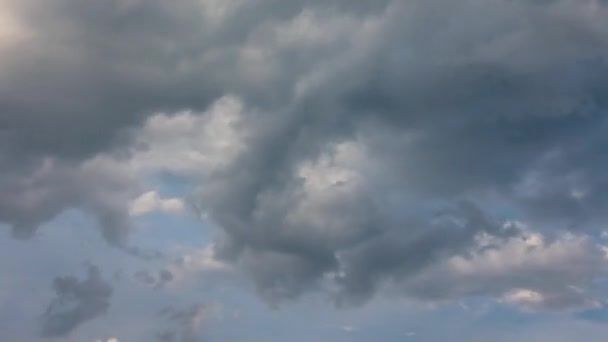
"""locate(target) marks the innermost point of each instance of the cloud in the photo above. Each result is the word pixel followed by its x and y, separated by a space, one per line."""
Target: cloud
pixel 157 281
pixel 76 302
pixel 76 95
pixel 187 324
pixel 190 143
pixel 52 187
pixel 152 202
pixel 340 146
pixel 164 278
pixel 529 271
pixel 199 266
pixel 348 181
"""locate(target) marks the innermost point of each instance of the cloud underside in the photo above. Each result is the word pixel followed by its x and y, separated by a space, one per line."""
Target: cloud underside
pixel 334 146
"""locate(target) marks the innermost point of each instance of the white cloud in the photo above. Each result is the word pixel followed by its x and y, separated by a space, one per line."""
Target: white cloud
pixel 332 178
pixel 569 298
pixel 530 271
pixel 190 144
pixel 151 201
pixel 523 297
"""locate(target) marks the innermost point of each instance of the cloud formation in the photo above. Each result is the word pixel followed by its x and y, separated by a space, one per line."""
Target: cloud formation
pixel 187 324
pixel 336 146
pixel 530 271
pixel 151 201
pixel 76 302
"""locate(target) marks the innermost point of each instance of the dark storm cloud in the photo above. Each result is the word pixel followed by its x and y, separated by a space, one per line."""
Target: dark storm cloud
pixel 81 75
pixel 83 80
pixel 73 86
pixel 77 301
pixel 366 127
pixel 103 67
pixel 450 102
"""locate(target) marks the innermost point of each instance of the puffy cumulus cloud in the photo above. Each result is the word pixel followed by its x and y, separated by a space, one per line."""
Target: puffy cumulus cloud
pixel 151 201
pixel 529 271
pixel 338 142
pixel 77 302
pixel 191 144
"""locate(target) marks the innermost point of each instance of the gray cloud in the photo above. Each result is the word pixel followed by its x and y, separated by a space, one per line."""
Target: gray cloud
pixel 186 324
pixel 77 301
pixel 157 281
pixel 38 193
pixel 456 108
pixel 164 278
pixel 373 141
pixel 79 77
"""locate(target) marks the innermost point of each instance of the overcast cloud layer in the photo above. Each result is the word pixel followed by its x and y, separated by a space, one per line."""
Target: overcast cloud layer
pixel 428 149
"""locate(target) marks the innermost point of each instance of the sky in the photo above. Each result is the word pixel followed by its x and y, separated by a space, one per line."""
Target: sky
pixel 338 170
